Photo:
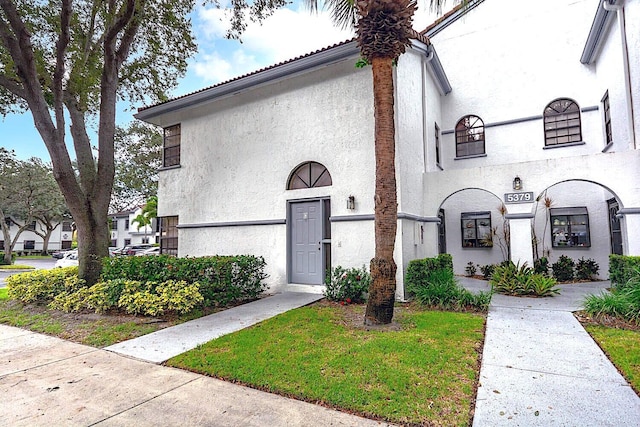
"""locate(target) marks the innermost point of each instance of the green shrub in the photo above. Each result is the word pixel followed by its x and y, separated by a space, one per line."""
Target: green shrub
pixel 347 285
pixel 222 279
pixel 586 269
pixel 419 269
pixel 180 297
pixel 624 303
pixel 470 270
pixel 563 269
pixel 541 286
pixel 487 271
pixel 439 288
pixel 39 286
pixel 13 258
pixel 622 269
pixel 541 266
pixel 514 279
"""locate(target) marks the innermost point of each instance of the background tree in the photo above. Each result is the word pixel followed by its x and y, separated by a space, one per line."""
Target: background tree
pixel 138 156
pixel 384 29
pixel 47 205
pixel 29 193
pixel 74 59
pixel 8 170
pixel 148 214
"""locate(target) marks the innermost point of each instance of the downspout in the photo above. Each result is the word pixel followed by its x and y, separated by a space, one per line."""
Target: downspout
pixel 425 125
pixel 619 9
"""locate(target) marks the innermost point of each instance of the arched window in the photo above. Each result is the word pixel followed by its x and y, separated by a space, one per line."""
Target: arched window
pixel 309 175
pixel 562 122
pixel 469 136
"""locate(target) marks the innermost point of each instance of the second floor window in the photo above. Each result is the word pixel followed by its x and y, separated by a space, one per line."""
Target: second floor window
pixel 470 136
pixel 606 108
pixel 437 138
pixel 171 149
pixel 562 123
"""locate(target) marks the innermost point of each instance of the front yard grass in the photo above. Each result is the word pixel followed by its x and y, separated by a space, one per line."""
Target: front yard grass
pixel 422 371
pixel 623 348
pixel 90 329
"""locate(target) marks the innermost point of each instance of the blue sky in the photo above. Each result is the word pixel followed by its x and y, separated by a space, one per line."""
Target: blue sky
pixel 288 33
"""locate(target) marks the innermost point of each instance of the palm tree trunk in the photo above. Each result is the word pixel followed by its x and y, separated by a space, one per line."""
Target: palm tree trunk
pixel 383 267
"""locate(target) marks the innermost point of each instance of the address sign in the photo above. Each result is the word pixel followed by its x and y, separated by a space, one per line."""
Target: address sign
pixel 526 197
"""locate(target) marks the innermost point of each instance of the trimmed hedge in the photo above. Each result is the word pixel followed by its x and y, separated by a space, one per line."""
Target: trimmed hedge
pixel 623 268
pixel 419 269
pixel 149 285
pixel 222 279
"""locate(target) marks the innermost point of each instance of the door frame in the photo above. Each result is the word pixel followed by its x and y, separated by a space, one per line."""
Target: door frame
pixel 325 247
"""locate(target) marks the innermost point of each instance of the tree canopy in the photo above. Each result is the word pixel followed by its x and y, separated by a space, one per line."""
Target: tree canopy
pixel 69 61
pixel 138 156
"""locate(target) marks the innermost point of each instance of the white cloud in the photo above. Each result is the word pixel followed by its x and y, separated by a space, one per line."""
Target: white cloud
pixel 286 34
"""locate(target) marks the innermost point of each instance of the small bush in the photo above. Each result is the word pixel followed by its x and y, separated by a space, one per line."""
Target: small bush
pixel 39 286
pixel 470 270
pixel 440 289
pixel 541 285
pixel 487 271
pixel 586 269
pixel 541 266
pixel 622 268
pixel 513 279
pixel 347 285
pixel 419 269
pixel 563 269
pixel 624 303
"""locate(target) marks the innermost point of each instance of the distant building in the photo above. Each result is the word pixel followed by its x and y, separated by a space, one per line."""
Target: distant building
pixel 125 231
pixel 30 242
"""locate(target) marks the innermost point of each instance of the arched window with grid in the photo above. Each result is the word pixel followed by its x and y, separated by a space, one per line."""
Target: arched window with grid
pixel 470 136
pixel 562 122
pixel 309 175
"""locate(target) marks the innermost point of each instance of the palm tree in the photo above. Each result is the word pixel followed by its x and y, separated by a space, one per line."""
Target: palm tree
pixel 384 29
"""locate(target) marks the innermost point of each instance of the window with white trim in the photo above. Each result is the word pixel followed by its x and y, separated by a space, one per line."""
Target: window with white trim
pixel 476 229
pixel 562 122
pixel 606 109
pixel 570 227
pixel 470 136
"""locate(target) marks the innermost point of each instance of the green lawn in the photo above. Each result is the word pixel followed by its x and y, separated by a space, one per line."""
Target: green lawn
pixel 623 348
pixel 424 372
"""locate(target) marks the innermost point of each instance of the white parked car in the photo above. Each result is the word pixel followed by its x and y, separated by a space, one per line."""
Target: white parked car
pixel 155 250
pixel 70 259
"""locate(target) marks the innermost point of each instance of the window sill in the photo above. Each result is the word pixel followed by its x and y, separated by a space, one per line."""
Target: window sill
pixel 473 156
pixel 568 144
pixel 166 168
pixel 607 147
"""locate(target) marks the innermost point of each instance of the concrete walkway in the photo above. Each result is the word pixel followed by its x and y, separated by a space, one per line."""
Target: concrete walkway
pixel 541 368
pixel 164 344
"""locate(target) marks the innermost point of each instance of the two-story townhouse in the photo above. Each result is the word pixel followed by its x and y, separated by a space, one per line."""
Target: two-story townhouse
pixel 516 136
pixel 31 239
pixel 126 231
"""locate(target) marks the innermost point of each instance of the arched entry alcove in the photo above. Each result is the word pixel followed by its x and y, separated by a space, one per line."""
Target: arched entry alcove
pixel 473 228
pixel 578 219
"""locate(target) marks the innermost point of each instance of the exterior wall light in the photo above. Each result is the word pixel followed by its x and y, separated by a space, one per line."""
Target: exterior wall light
pixel 351 203
pixel 517 183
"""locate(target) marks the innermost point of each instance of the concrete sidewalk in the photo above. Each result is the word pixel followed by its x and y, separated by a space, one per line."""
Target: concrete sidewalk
pixel 164 344
pixel 46 381
pixel 541 368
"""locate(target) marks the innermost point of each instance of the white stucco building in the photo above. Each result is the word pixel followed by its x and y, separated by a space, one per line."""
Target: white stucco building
pixel 126 231
pixel 503 105
pixel 32 243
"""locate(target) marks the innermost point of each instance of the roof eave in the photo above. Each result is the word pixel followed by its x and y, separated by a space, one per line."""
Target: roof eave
pixel 599 27
pixel 279 72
